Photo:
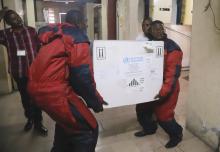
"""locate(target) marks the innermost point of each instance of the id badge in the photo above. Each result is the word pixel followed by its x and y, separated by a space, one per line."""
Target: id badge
pixel 21 53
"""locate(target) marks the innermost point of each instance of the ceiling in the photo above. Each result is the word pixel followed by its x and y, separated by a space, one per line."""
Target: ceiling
pixel 80 1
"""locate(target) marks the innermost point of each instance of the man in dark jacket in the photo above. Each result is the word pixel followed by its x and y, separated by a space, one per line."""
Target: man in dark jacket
pixel 168 94
pixel 62 84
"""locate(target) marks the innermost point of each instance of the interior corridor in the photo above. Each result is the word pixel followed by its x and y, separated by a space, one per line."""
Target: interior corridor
pixel 117 127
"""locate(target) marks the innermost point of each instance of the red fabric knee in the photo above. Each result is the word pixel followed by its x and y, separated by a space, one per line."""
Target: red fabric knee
pixel 165 111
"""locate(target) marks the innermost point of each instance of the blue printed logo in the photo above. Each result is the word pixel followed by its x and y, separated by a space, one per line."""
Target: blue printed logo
pixel 128 60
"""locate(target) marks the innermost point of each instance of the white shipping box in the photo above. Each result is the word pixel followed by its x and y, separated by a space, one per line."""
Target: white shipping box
pixel 128 72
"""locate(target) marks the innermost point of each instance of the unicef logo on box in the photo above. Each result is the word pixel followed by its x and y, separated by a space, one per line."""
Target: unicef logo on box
pixel 128 60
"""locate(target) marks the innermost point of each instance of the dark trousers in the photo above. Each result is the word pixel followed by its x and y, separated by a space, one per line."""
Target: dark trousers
pixel 84 141
pixel 164 112
pixel 31 112
pixel 145 112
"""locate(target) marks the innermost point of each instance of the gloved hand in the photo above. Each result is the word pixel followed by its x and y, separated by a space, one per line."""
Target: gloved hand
pixel 159 98
pixel 98 109
pixel 105 103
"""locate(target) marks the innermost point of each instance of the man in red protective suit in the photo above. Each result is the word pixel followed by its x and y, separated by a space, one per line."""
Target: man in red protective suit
pixel 167 98
pixel 62 84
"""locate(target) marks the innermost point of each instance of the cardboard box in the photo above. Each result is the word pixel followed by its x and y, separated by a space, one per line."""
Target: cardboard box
pixel 128 72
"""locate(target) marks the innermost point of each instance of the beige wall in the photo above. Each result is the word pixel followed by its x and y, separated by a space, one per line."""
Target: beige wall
pixel 186 11
pixel 133 19
pixel 104 19
pixel 187 16
pixel 90 20
pixel 30 13
pixel 122 22
pixel 157 14
pixel 130 14
pixel 10 4
pixel 15 5
pixel 204 97
pixel 5 79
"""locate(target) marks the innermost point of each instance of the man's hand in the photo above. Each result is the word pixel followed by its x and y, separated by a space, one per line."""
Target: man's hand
pixel 98 109
pixel 105 103
pixel 160 99
pixel 157 97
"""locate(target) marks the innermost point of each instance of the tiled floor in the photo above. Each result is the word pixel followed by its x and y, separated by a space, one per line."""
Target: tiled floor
pixel 117 127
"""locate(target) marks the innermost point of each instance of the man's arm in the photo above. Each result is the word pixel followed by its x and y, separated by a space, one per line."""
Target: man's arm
pixel 171 72
pixel 82 78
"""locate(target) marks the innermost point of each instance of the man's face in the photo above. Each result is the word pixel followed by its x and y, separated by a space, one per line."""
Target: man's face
pixel 146 26
pixel 14 20
pixel 158 32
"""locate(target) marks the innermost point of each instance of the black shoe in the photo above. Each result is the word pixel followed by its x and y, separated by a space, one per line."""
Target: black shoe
pixel 41 129
pixel 174 130
pixel 143 133
pixel 174 141
pixel 28 125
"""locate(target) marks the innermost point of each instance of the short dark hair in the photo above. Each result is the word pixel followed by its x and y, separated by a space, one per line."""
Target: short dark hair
pixel 7 14
pixel 157 22
pixel 74 17
pixel 147 18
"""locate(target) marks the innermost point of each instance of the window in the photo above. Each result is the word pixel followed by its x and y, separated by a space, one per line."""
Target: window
pixel 49 15
pixel 62 17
